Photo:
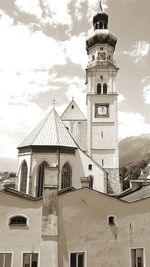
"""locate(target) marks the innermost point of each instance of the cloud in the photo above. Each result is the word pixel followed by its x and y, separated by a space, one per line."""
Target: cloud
pixel 29 50
pixel 121 98
pixel 132 124
pixel 146 94
pixel 47 11
pixel 138 51
pixel 30 7
pixel 92 7
pixel 21 118
pixel 145 79
pixel 26 58
pixel 75 50
pixel 76 91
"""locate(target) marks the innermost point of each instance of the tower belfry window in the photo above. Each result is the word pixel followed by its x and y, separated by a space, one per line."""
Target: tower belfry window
pixel 101 25
pixel 99 88
pixel 104 88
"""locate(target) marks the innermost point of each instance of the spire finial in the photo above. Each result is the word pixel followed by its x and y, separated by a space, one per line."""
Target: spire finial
pixel 100 6
pixel 54 102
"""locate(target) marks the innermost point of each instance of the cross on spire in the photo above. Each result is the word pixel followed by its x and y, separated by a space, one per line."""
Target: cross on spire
pixel 54 102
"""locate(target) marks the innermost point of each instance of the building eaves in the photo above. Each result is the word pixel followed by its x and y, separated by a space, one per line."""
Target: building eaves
pixel 19 194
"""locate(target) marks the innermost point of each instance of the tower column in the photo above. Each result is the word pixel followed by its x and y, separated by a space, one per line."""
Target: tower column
pixel 102 117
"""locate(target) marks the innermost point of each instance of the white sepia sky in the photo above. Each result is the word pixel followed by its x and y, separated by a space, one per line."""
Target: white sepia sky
pixel 43 56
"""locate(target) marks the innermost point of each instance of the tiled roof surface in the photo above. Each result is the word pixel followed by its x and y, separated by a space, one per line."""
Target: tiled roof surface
pixel 51 131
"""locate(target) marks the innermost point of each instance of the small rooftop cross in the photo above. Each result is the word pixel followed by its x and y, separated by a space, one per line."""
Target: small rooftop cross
pixel 54 102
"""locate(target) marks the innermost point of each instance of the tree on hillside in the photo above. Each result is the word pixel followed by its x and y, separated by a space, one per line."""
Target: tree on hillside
pixel 131 172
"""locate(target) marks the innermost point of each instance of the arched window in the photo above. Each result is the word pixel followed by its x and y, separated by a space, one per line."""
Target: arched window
pixel 101 25
pixel 40 178
pixel 23 177
pixel 66 176
pixel 18 220
pixel 104 88
pixel 98 88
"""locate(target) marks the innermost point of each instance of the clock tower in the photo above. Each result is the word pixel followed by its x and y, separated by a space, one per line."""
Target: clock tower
pixel 102 122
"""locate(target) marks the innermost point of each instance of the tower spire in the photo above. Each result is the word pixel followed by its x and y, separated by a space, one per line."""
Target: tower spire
pixel 100 7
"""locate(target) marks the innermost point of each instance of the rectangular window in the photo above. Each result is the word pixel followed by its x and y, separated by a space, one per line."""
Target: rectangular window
pixel 102 162
pixel 90 166
pixel 30 259
pixel 77 259
pixel 5 259
pixel 93 57
pixel 137 257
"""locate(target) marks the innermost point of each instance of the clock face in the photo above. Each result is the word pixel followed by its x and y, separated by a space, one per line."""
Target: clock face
pixel 102 56
pixel 101 110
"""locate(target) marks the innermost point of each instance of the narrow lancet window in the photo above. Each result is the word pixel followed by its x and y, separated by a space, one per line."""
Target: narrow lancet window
pixel 66 176
pixel 23 177
pixel 40 179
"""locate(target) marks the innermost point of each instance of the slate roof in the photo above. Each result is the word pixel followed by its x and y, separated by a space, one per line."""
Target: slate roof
pixel 73 112
pixel 141 193
pixel 51 131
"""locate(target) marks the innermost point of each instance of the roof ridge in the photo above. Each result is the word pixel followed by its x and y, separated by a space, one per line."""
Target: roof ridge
pixel 56 125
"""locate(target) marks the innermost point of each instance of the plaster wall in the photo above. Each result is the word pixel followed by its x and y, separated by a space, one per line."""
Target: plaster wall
pixel 84 227
pixel 105 157
pixel 19 239
pixel 101 136
pixel 98 174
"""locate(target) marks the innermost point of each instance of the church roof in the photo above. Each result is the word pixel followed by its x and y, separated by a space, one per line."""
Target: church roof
pixel 73 112
pixel 51 131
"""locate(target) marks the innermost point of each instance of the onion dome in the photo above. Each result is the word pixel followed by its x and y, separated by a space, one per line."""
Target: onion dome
pixel 101 35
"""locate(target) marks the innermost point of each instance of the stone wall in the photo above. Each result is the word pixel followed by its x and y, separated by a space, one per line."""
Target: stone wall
pixel 113 181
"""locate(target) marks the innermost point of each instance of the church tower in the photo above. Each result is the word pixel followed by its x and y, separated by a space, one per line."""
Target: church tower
pixel 102 122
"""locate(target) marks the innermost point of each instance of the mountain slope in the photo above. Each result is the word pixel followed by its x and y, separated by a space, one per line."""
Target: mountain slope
pixel 134 149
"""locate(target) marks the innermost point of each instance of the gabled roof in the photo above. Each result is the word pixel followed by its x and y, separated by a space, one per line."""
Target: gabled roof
pixel 51 131
pixel 73 112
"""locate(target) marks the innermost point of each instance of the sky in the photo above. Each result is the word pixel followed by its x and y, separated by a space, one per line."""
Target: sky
pixel 43 57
